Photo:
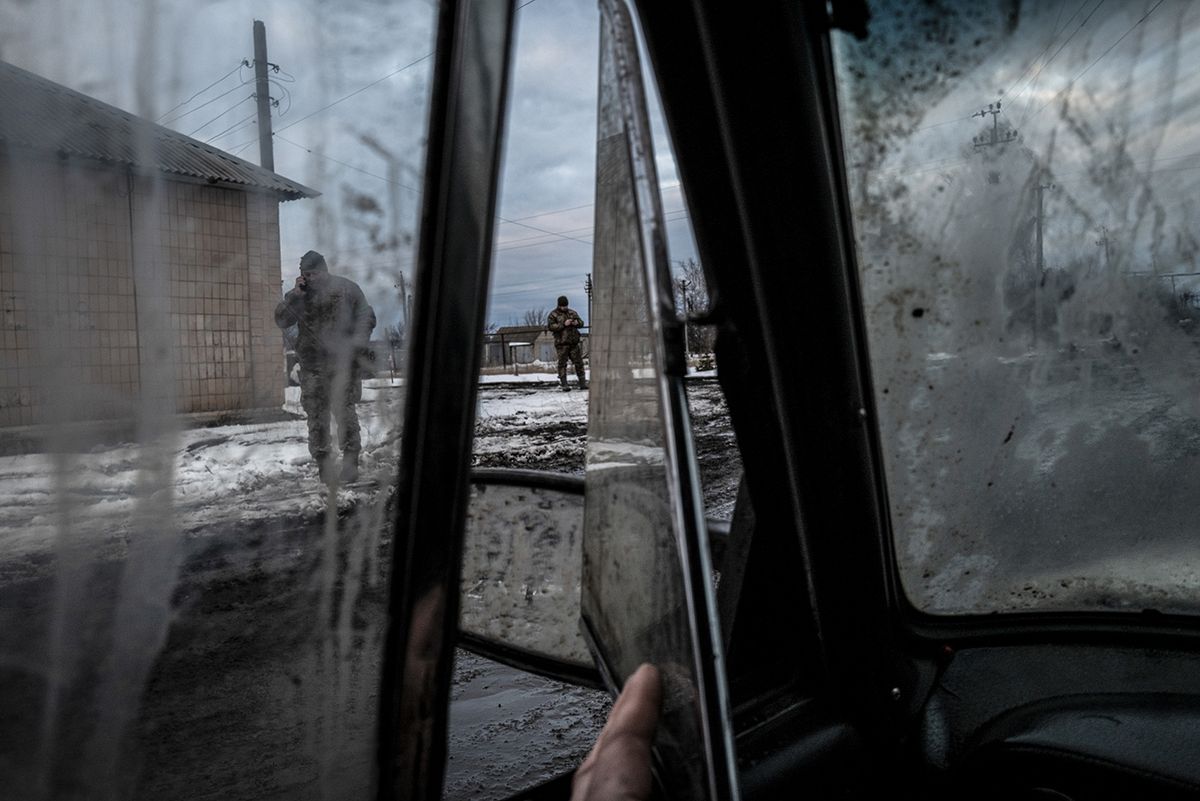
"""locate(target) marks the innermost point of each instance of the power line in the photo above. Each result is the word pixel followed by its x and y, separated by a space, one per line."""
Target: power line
pixel 167 113
pixel 940 124
pixel 360 90
pixel 407 258
pixel 414 189
pixel 377 81
pixel 347 165
pixel 583 229
pixel 222 114
pixel 242 147
pixel 553 241
pixel 237 126
pixel 1055 31
pixel 515 221
pixel 543 230
pixel 1046 63
pixel 556 211
pixel 1071 83
pixel 206 103
pixel 507 245
pixel 1022 75
pixel 661 188
pixel 286 95
pixel 541 285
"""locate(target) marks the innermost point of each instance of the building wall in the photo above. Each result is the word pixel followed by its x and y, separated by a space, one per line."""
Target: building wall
pixel 116 293
pixel 70 344
pixel 262 247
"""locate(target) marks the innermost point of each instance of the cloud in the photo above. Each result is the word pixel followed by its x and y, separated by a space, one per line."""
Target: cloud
pixel 350 68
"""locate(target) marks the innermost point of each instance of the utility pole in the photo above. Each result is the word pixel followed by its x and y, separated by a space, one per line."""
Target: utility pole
pixel 403 287
pixel 262 93
pixel 1103 242
pixel 1040 269
pixel 996 137
pixel 1041 216
pixel 587 287
pixel 683 287
pixel 395 164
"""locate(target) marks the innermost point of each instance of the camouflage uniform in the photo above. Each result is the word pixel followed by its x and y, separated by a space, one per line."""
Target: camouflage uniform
pixel 567 343
pixel 335 323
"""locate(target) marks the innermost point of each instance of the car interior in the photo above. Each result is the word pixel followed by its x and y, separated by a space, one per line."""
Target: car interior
pixel 838 673
pixel 950 255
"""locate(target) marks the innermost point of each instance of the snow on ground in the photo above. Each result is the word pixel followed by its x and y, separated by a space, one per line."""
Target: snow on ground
pixel 243 473
pixel 234 472
pixel 532 427
pixel 248 597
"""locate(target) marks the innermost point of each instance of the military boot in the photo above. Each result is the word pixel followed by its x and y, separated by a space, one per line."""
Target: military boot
pixel 349 472
pixel 563 385
pixel 325 468
pixel 583 384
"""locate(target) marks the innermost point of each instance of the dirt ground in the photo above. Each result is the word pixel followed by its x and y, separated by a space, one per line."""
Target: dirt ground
pixel 261 681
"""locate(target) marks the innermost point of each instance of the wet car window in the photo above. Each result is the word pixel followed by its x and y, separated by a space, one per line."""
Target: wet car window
pixel 640 602
pixel 510 730
pixel 193 544
pixel 1023 184
pixel 521 580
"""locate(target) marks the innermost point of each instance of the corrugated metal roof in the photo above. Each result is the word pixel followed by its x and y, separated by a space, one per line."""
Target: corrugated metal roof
pixel 39 114
pixel 520 329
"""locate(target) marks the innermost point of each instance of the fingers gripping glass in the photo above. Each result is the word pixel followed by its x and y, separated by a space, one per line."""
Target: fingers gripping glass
pixel 647 594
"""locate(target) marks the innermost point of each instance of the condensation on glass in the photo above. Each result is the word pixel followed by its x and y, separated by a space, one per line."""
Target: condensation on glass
pixel 185 610
pixel 1023 179
pixel 520 575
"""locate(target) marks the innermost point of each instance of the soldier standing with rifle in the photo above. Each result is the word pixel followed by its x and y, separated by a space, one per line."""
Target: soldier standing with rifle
pixel 565 322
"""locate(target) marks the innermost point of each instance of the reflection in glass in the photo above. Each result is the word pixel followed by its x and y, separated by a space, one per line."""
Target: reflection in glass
pixel 1023 189
pixel 636 599
pixel 185 609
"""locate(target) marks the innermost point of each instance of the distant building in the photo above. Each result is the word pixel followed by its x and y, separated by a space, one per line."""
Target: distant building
pixel 133 261
pixel 522 344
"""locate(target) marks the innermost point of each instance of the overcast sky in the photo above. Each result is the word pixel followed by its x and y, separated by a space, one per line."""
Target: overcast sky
pixel 353 71
pixel 349 71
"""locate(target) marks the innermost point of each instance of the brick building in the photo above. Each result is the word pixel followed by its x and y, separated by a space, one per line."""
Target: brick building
pixel 136 264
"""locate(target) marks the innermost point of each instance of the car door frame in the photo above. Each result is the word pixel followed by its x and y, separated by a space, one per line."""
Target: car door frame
pixel 472 63
pixel 761 168
pixel 741 234
pixel 763 171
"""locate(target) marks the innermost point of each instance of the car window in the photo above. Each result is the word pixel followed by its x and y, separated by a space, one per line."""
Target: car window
pixel 192 582
pixel 521 583
pixel 1022 180
pixel 647 584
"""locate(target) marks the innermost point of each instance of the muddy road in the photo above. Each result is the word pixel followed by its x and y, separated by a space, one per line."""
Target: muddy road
pixel 259 679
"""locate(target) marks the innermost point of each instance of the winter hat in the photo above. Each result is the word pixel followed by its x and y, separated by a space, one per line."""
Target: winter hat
pixel 312 261
pixel 562 300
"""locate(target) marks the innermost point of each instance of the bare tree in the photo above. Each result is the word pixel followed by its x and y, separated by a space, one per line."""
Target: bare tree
pixel 535 317
pixel 691 299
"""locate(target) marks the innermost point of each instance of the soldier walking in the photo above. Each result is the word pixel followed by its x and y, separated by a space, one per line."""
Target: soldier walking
pixel 565 322
pixel 335 323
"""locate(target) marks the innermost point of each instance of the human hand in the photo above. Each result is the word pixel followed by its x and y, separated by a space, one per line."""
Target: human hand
pixel 618 767
pixel 301 283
